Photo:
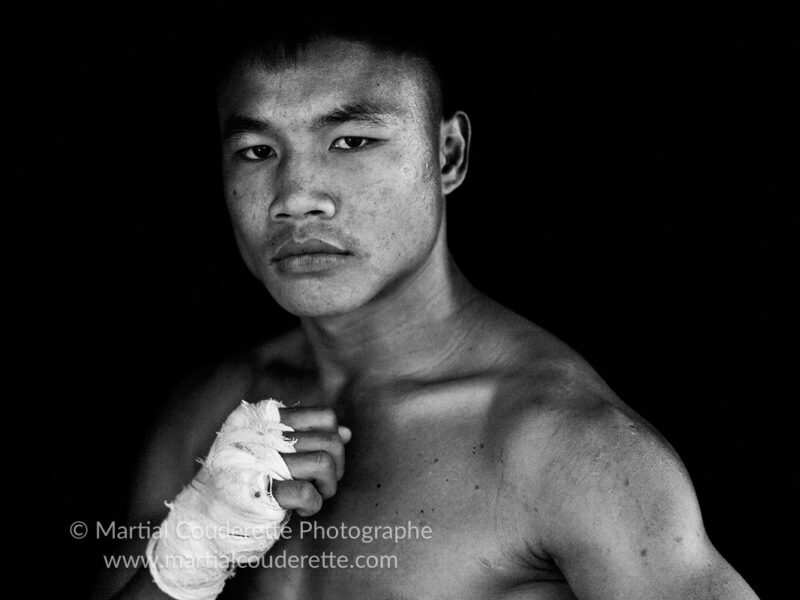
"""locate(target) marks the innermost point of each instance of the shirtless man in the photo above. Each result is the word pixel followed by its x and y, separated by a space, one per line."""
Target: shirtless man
pixel 535 479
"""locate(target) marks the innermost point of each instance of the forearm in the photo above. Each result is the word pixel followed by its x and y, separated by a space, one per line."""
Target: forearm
pixel 127 582
pixel 230 501
pixel 141 587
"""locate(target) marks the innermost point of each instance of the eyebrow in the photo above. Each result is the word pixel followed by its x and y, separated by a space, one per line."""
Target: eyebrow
pixel 360 111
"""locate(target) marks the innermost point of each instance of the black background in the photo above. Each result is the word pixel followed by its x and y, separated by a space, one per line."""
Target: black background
pixel 618 195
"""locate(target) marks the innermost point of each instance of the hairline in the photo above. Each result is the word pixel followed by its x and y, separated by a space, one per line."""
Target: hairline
pixel 272 58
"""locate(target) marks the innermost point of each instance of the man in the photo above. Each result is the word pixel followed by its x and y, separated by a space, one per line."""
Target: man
pixel 534 479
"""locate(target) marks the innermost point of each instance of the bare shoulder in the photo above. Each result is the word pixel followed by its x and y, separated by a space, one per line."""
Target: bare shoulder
pixel 599 491
pixel 568 434
pixel 557 408
pixel 189 418
pixel 213 391
pixel 582 454
pixel 570 443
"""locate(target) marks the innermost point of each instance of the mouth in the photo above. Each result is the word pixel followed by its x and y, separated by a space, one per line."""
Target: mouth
pixel 309 256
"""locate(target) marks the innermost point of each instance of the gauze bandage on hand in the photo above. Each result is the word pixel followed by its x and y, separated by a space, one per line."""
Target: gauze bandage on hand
pixel 227 515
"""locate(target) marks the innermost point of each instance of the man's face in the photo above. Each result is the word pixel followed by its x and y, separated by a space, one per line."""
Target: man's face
pixel 339 147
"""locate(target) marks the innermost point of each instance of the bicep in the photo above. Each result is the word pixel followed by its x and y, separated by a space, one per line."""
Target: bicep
pixel 624 521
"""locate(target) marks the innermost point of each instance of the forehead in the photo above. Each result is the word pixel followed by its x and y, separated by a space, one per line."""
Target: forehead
pixel 325 74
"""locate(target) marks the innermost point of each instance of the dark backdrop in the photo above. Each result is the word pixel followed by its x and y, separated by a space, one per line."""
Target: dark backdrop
pixel 615 196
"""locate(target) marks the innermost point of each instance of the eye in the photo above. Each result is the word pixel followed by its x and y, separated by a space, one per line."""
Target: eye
pixel 350 142
pixel 256 153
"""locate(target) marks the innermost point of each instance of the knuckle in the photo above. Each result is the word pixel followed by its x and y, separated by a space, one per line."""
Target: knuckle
pixel 330 443
pixel 307 493
pixel 329 490
pixel 324 460
pixel 335 443
pixel 328 417
pixel 314 502
pixel 329 438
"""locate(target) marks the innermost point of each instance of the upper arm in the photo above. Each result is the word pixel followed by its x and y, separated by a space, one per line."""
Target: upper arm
pixel 181 433
pixel 619 516
pixel 164 467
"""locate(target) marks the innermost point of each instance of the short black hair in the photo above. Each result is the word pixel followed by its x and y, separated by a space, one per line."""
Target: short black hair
pixel 278 40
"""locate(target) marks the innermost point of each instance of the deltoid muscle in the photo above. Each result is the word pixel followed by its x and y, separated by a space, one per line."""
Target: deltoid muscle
pixel 227 516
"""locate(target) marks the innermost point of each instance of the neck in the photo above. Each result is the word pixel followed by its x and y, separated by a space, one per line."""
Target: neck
pixel 412 330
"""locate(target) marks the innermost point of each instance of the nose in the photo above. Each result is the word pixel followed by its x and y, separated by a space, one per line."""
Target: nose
pixel 301 192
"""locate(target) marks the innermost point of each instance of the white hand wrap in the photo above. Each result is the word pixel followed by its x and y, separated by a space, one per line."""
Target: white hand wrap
pixel 227 515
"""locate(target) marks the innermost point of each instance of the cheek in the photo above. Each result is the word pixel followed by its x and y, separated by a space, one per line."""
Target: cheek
pixel 246 206
pixel 398 208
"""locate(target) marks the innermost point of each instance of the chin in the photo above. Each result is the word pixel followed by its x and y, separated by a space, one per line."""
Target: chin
pixel 316 299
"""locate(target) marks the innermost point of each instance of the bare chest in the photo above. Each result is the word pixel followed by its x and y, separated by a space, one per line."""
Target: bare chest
pixel 421 512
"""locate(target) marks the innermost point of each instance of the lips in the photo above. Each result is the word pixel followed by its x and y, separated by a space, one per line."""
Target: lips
pixel 312 246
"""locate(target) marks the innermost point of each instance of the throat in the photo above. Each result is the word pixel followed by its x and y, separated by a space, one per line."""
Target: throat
pixel 407 335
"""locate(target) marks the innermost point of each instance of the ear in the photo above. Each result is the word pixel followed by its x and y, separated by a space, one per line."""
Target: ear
pixel 454 150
